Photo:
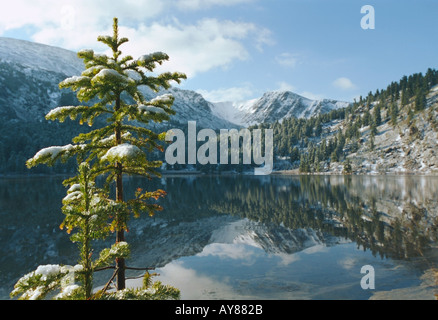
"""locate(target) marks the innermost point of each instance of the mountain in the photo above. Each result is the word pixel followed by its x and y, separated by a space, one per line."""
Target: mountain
pixel 29 78
pixel 191 106
pixel 309 135
pixel 391 131
pixel 274 106
pixel 31 72
pixel 31 56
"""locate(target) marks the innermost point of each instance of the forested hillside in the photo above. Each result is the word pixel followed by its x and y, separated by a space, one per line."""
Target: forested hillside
pixel 391 130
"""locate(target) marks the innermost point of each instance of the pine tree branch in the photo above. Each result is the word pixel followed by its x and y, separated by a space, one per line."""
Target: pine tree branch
pixel 139 269
pixel 127 268
pixel 104 268
pixel 116 271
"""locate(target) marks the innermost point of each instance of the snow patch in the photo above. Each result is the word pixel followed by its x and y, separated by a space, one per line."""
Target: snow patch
pixel 123 152
pixel 110 75
pixel 40 57
pixel 151 109
pixel 165 98
pixel 54 151
pixel 59 110
pixel 74 187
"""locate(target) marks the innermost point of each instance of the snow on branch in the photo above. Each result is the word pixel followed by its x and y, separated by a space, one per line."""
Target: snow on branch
pixel 59 111
pixel 75 82
pixel 124 152
pixel 151 109
pixel 163 99
pixel 50 154
pixel 109 76
pixel 30 285
pixel 152 57
pixel 155 106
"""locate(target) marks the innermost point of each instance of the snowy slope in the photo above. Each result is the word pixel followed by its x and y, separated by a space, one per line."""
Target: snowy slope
pixel 30 73
pixel 234 112
pixel 191 106
pixel 40 56
pixel 273 106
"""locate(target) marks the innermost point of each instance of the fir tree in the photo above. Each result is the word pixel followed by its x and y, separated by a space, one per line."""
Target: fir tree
pixel 420 100
pixel 87 210
pixel 394 113
pixel 304 163
pixel 377 115
pixel 404 98
pixel 410 116
pixel 334 156
pixel 371 141
pixel 347 166
pixel 373 128
pixel 366 120
pixel 111 84
pixel 318 128
pixel 295 155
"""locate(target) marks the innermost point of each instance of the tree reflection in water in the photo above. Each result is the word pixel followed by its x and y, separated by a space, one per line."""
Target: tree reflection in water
pixel 393 217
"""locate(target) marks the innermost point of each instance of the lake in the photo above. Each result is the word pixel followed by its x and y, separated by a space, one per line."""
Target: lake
pixel 250 237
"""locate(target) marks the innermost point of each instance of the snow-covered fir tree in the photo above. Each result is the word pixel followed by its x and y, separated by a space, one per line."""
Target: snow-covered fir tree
pixel 109 88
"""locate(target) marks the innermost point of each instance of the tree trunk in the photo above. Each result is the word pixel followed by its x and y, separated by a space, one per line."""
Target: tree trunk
pixel 120 236
pixel 88 276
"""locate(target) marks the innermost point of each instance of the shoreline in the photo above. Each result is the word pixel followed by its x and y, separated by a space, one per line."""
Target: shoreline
pixel 294 172
pixel 333 173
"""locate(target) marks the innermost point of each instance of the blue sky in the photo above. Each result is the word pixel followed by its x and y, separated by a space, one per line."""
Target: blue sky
pixel 239 49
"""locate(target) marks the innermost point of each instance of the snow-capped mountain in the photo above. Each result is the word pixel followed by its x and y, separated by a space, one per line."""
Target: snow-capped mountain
pixel 191 106
pixel 274 106
pixel 39 68
pixel 30 55
pixel 30 74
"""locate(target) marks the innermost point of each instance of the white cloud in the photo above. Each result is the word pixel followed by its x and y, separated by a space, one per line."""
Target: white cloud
pixel 195 285
pixel 344 84
pixel 287 258
pixel 348 263
pixel 311 95
pixel 316 249
pixel 235 251
pixel 203 4
pixel 284 86
pixel 287 60
pixel 193 48
pixel 85 13
pixel 73 24
pixel 264 38
pixel 242 93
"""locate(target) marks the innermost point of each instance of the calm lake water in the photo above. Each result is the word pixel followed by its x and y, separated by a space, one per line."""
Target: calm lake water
pixel 250 237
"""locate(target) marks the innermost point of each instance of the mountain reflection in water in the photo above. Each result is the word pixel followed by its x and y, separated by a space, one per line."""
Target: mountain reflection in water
pixel 221 229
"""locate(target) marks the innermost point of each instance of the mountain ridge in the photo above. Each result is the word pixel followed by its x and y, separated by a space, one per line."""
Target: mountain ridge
pixel 40 56
pixel 30 74
pixel 272 106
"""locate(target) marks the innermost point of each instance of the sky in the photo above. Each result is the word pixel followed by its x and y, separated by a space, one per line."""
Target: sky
pixel 236 50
